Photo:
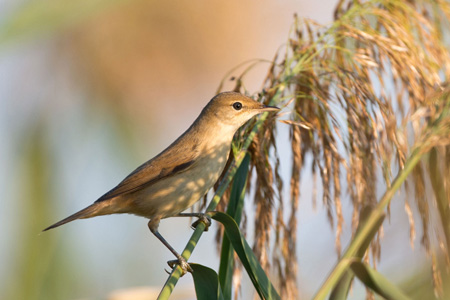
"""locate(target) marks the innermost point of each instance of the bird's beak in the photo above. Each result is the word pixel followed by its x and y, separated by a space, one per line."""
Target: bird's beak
pixel 269 108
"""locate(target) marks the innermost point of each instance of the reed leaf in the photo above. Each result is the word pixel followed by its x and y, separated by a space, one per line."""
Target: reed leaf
pixel 376 282
pixel 235 209
pixel 206 281
pixel 248 259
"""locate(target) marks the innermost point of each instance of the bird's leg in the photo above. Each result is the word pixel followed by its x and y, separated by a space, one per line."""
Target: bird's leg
pixel 185 267
pixel 202 217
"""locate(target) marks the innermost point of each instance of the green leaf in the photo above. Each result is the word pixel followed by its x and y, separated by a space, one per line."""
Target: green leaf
pixel 248 259
pixel 376 282
pixel 234 209
pixel 342 288
pixel 206 283
pixel 236 204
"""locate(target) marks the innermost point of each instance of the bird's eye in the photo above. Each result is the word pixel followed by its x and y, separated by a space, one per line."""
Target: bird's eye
pixel 237 105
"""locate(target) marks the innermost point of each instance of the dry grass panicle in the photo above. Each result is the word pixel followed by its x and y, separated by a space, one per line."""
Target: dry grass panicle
pixel 359 93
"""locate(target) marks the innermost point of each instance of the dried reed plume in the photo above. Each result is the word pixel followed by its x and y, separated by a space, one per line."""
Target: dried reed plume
pixel 359 91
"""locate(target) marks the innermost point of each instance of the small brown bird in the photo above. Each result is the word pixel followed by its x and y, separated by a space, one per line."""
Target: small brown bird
pixel 181 174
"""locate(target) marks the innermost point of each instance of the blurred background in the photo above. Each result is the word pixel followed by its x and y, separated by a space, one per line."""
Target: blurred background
pixel 89 90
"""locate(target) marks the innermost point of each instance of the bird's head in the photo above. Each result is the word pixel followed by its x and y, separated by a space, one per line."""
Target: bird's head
pixel 234 109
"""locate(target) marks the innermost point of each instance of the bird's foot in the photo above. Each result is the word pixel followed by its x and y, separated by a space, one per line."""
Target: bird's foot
pixel 202 218
pixel 185 267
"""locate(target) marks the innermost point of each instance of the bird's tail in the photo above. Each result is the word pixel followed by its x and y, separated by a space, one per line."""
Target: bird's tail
pixel 88 212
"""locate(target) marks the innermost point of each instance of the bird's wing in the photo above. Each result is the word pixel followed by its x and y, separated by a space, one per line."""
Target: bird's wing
pixel 168 163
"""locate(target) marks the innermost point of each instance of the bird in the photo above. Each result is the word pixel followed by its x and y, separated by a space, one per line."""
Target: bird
pixel 182 174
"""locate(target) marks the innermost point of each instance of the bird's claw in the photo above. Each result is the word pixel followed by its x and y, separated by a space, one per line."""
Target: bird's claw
pixel 203 218
pixel 185 267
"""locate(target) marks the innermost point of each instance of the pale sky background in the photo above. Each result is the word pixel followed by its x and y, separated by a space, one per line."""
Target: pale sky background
pixel 179 61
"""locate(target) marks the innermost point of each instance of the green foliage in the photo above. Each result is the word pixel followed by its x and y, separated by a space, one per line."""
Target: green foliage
pixel 207 286
pixel 235 209
pixel 248 259
pixel 343 285
pixel 376 282
pixel 206 280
